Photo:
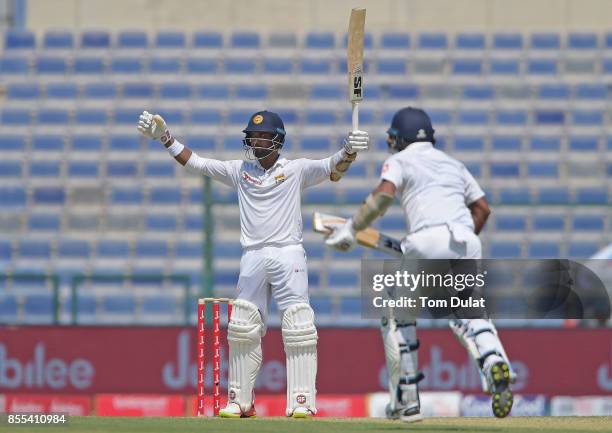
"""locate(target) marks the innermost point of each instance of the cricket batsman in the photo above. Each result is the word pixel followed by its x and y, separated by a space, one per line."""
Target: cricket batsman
pixel 273 261
pixel 445 210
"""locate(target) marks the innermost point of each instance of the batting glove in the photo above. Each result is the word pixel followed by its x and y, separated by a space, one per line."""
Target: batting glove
pixel 342 238
pixel 154 126
pixel 356 141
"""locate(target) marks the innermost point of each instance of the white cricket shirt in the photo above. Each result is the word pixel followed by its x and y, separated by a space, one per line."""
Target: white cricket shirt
pixel 435 188
pixel 269 200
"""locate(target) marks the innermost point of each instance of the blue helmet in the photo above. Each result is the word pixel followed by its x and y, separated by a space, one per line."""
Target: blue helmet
pixel 266 121
pixel 409 125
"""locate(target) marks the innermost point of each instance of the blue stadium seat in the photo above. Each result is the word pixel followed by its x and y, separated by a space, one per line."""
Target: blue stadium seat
pixel 206 116
pixel 91 117
pixel 548 223
pixel 549 117
pixel 165 65
pixel 340 278
pixel 469 143
pixel 138 90
pixel 504 66
pixel 545 143
pixel 542 66
pixel 475 168
pixel 315 66
pixel 555 195
pixel 543 250
pixel 588 223
pixel 505 250
pixel 62 90
pixel 227 249
pixel 213 91
pixel 197 65
pixel 506 143
pixel 121 169
pixel 37 307
pixel 543 169
pixel 591 117
pixel 86 305
pixel 82 169
pixel 239 116
pixel 172 116
pixel 288 115
pixel 126 65
pixel 511 222
pixel 193 222
pixel 320 117
pixel 282 40
pixel 100 90
pixel 189 250
pixel 164 195
pixel 11 197
pixel 514 196
pixel 251 92
pixel 353 195
pixel 403 91
pixel 511 117
pixel 159 169
pixel 473 117
pixel 170 40
pixel 592 195
pixel 507 41
pixel 239 66
pixel 162 223
pixel 148 248
pixel 56 39
pixel 320 41
pixel 44 222
pixel 124 143
pixel 86 143
pixel 325 91
pixel 366 116
pixel 244 40
pixel 49 195
pixel 14 65
pixel 8 309
pixel 554 91
pixel 432 41
pixel 10 169
pixel 19 39
pixel 175 91
pixel 118 304
pixel 315 143
pixel 394 41
pixel 320 196
pixel 470 41
pixel 159 304
pixel 53 116
pixel 545 41
pixel 391 66
pixel 11 116
pixel 95 39
pixel 126 196
pixel 207 40
pixel 392 222
pixel 23 91
pixel 592 91
pixel 73 248
pixel 581 250
pixel 505 169
pixel 112 248
pixel 34 249
pixel 132 39
pixel 440 117
pixel 88 65
pixel 583 143
pixel 478 92
pixel 45 168
pixel 350 305
pixel 582 41
pixel 47 142
pixel 277 66
pixel 321 304
pixel 12 142
pixel 467 67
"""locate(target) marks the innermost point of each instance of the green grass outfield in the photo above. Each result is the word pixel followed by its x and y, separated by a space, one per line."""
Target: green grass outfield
pixel 322 425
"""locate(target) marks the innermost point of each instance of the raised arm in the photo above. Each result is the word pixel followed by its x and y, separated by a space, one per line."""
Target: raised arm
pixel 154 126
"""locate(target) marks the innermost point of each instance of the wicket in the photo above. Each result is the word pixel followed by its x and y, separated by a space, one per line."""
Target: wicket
pixel 216 302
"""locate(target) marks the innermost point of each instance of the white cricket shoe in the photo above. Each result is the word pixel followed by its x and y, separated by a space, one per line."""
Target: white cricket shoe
pixel 232 410
pixel 302 412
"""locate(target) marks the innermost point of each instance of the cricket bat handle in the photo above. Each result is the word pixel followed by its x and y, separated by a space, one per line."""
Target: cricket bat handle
pixel 355 117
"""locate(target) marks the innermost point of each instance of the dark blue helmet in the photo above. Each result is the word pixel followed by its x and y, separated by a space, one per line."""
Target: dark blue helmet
pixel 266 121
pixel 409 125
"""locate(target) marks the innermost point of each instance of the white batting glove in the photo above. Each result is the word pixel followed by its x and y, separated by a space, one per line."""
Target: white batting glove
pixel 342 238
pixel 154 126
pixel 356 141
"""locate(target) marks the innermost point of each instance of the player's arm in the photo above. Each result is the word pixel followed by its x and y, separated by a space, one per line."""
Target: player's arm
pixel 154 126
pixel 480 213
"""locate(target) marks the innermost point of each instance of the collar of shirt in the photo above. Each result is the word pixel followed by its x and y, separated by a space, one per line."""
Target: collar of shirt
pixel 280 162
pixel 418 146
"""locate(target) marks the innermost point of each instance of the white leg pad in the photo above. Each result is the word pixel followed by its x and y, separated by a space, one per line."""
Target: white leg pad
pixel 244 339
pixel 300 340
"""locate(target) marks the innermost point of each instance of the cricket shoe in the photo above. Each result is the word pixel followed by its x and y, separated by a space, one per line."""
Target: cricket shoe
pixel 412 414
pixel 232 410
pixel 302 412
pixel 502 398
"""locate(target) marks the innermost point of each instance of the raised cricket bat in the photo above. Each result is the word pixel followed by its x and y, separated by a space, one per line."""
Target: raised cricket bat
pixel 354 58
pixel 369 238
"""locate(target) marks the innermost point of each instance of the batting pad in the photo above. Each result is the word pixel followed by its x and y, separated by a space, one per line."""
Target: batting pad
pixel 300 340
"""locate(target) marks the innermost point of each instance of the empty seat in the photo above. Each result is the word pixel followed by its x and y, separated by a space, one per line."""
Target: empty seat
pixel 202 65
pixel 582 41
pixel 112 249
pixel 207 40
pixel 478 92
pixel 282 40
pixel 504 169
pixel 511 222
pixel 95 39
pixel 73 248
pixel 170 40
pixel 315 143
pixel 12 142
pixel 159 304
pixel 39 308
pixel 34 249
pixel 189 249
pixel 206 116
pixel 132 39
pixel 10 169
pixel 239 66
pixel 319 196
pixel 175 91
pixel 14 65
pixel 126 196
pixel 583 144
pixel 505 250
pixel 148 248
pixel 590 117
pixel 549 117
pixel 213 91
pixel 315 66
pixel 325 91
pixel 44 168
pixel 555 195
pixel 126 65
pixel 91 117
pixel 165 65
pixel 548 222
pixel 86 143
pixel 23 91
pixel 542 66
pixel 350 305
pixel 391 66
pixel 164 195
pixel 440 117
pixel 592 91
pixel 321 304
pixel 82 169
pixel 49 195
pixel 47 142
pixel 506 143
pixel 57 39
pixel 251 92
pixel 18 39
pixel 507 41
pixel 227 249
pixel 467 67
pixel 469 143
pixel 545 143
pixel 545 41
pixel 121 169
pixel 588 223
pixel 320 117
pixel 53 116
pixel 337 278
pixel 277 66
pixel 395 41
pixel 12 116
pixel 8 309
pixel 12 197
pixel 244 40
pixel 118 304
pixel 554 91
pixel 44 222
pixel 543 250
pixel 514 196
pixel 582 250
pixel 129 115
pixel 403 91
pixel 470 41
pixel 504 66
pixel 62 90
pixel 161 222
pixel 473 117
pixel 88 65
pixel 320 40
pixel 543 169
pixel 432 41
pixel 100 90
